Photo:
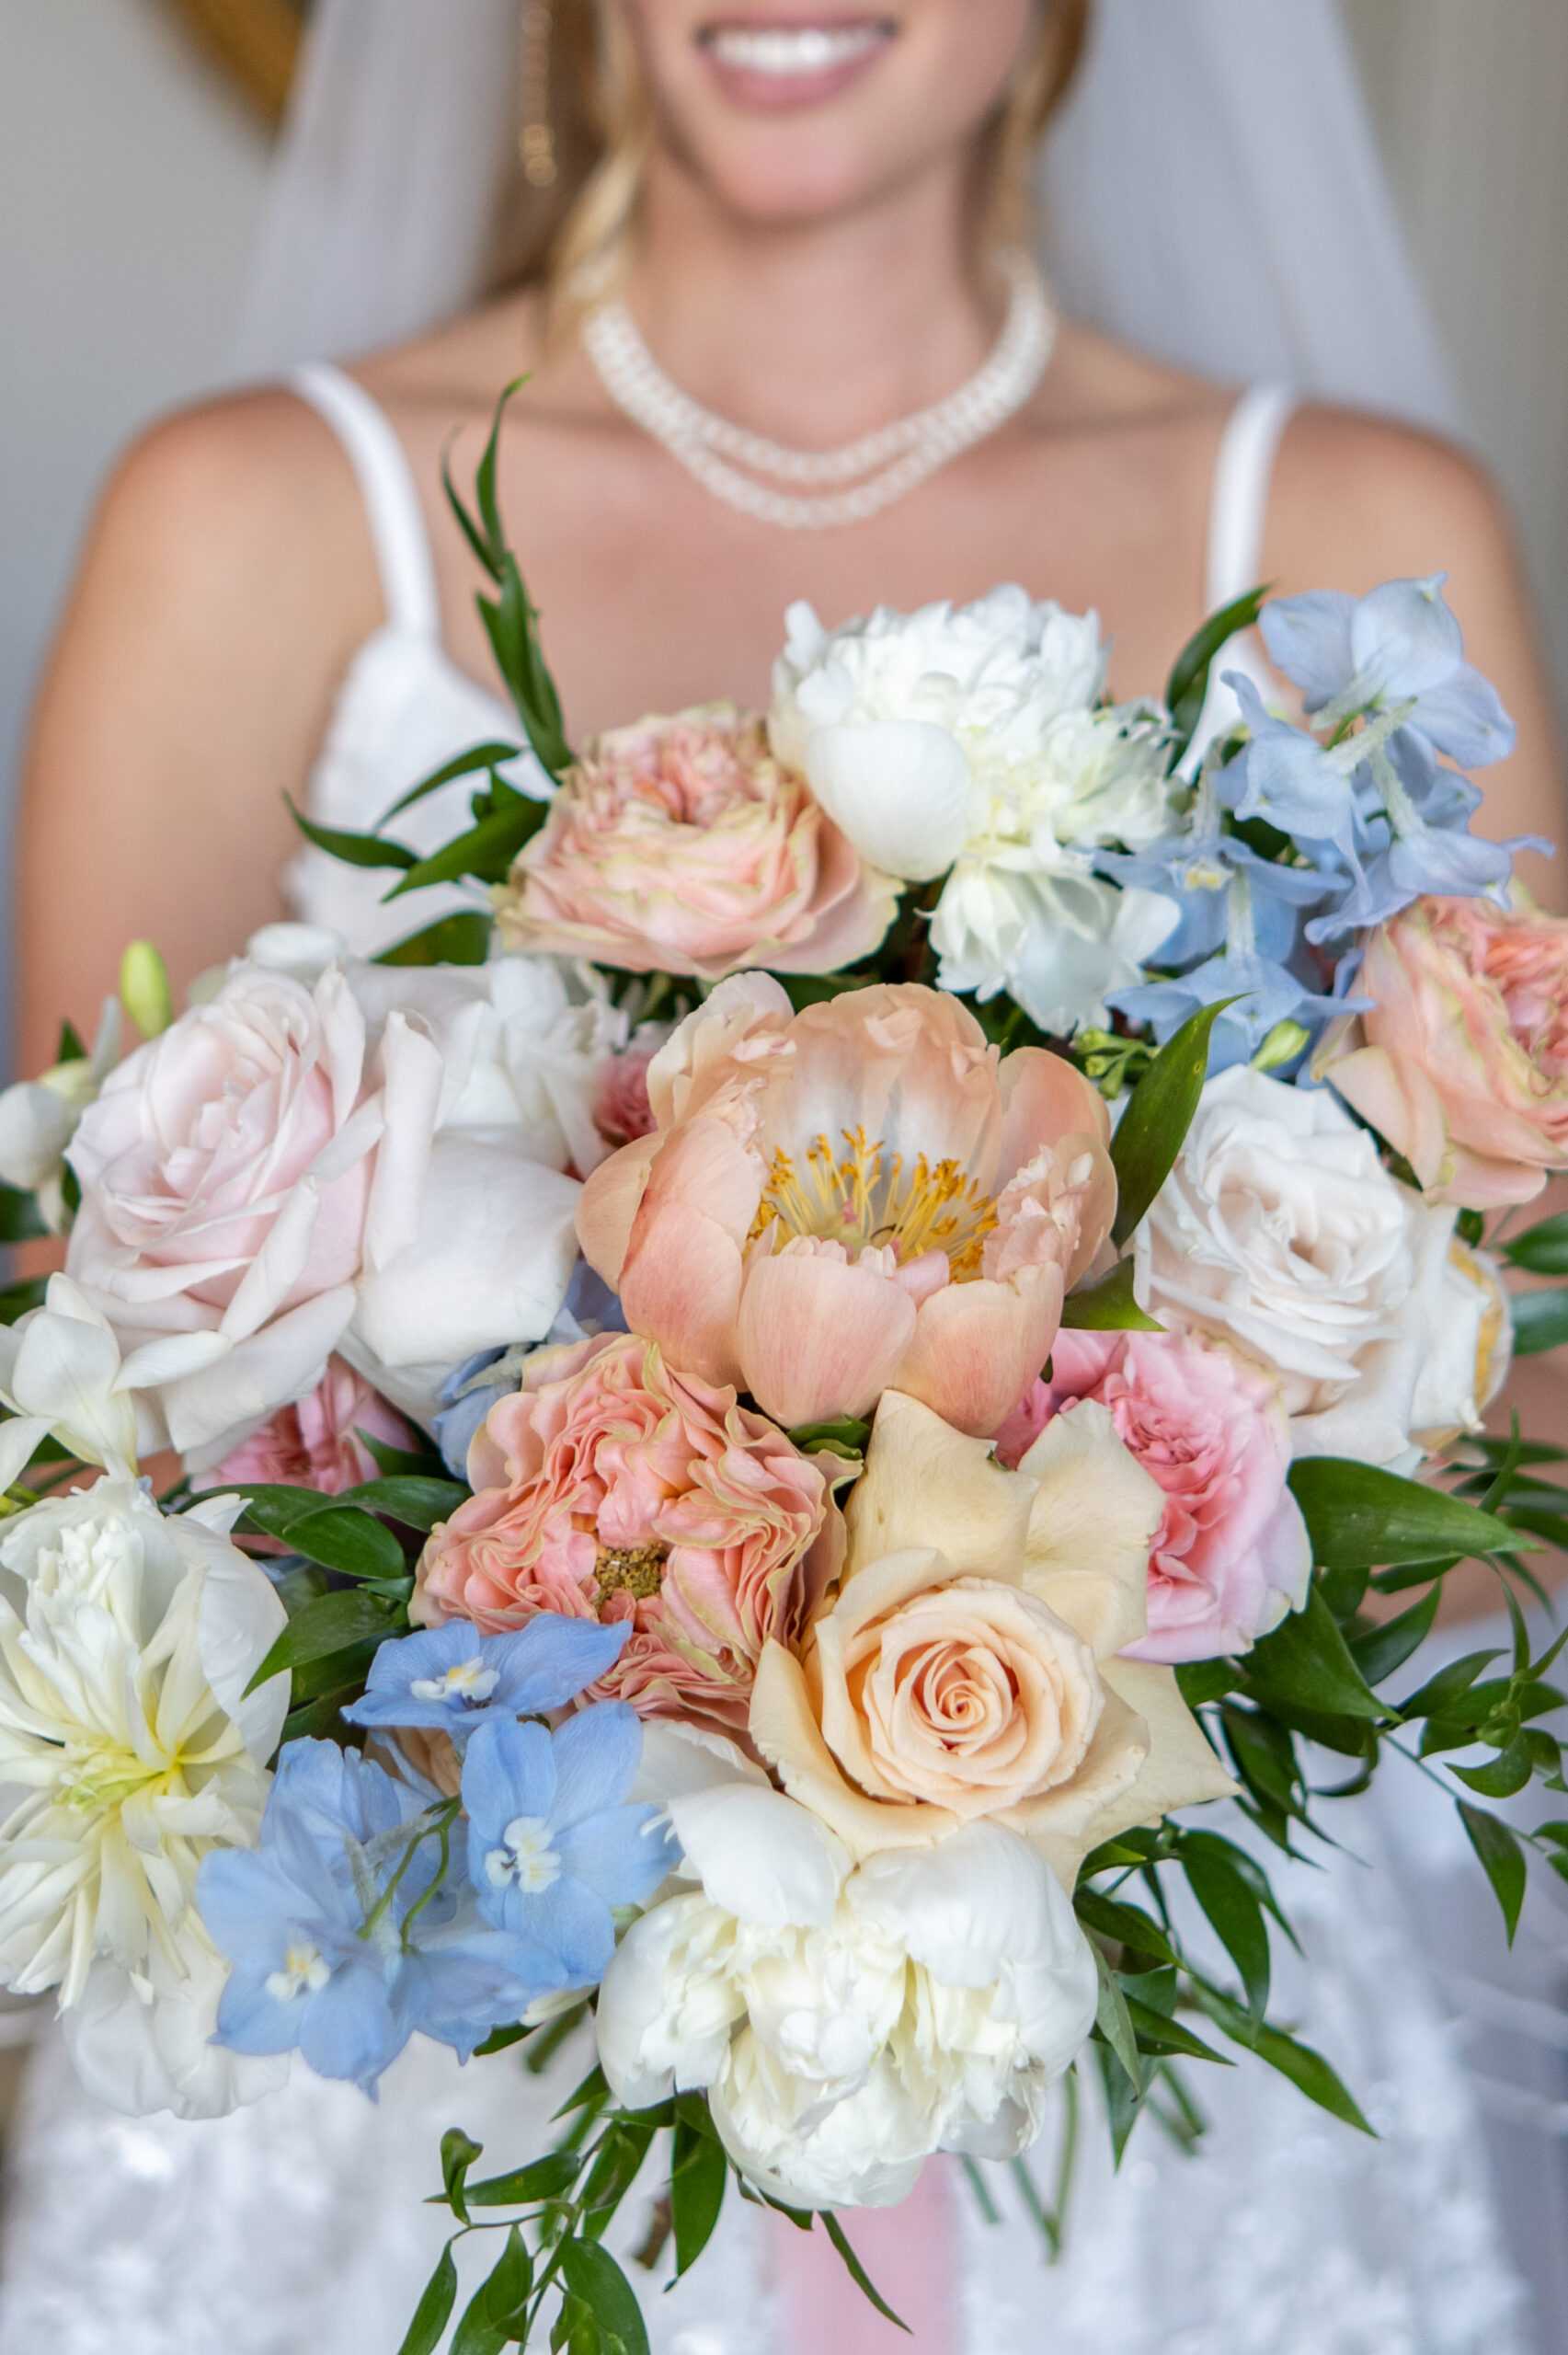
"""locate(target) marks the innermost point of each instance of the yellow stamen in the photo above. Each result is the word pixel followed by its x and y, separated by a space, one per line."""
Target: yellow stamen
pixel 865 1197
pixel 637 1570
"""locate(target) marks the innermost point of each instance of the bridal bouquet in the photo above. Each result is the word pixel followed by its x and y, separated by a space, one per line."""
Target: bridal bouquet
pixel 755 1419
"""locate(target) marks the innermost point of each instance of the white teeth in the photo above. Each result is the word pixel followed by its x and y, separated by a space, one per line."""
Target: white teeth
pixel 786 51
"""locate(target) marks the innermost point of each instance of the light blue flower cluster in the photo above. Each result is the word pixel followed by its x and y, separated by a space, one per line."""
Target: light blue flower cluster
pixel 1308 835
pixel 366 1913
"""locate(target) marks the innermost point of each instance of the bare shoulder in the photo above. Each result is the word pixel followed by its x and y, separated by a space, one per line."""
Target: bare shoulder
pixel 249 495
pixel 1363 496
pixel 1096 381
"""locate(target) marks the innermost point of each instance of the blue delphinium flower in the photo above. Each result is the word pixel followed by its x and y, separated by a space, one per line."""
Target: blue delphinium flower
pixel 452 1678
pixel 1401 645
pixel 552 1847
pixel 1196 865
pixel 342 1935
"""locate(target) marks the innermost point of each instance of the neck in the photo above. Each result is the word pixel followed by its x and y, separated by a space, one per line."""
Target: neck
pixel 814 333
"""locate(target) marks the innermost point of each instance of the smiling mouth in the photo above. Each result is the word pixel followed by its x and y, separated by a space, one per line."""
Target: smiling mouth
pixel 795 52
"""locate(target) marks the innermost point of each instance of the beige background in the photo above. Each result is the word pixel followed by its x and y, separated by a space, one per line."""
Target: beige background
pixel 131 180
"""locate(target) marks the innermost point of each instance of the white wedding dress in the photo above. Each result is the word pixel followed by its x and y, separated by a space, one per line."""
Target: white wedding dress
pixel 298 2224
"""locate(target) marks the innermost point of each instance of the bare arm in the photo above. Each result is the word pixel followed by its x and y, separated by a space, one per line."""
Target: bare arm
pixel 1358 502
pixel 227 580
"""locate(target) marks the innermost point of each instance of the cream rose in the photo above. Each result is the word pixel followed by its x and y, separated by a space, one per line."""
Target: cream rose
pixel 1280 1229
pixel 968 1667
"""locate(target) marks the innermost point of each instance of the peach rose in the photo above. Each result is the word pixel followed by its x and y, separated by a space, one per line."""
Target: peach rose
pixel 610 1488
pixel 683 846
pixel 863 1197
pixel 968 1666
pixel 1462 1065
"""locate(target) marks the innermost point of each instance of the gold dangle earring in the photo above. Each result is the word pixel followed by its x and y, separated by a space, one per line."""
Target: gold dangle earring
pixel 536 139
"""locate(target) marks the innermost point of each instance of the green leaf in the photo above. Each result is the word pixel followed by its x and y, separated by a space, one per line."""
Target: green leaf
pixel 858 2273
pixel 1439 1694
pixel 21 1221
pixel 485 851
pixel 1158 2034
pixel 1107 1306
pixel 71 1049
pixel 592 2275
pixel 399 1462
pixel 1201 1682
pixel 697 2185
pixel 1237 1919
pixel 1115 2023
pixel 1543 1249
pixel 1264 1756
pixel 1307 2070
pixel 462 939
pixel 1503 1776
pixel 1540 1322
pixel 1307 1663
pixel 410 1500
pixel 1501 1859
pixel 459 2151
pixel 617 2164
pixel 1126 1925
pixel 330 1626
pixel 1188 685
pixel 343 1538
pixel 433 2312
pixel 354 850
pixel 1360 1518
pixel 845 1435
pixel 491 755
pixel 1159 1113
pixel 1383 1651
pixel 544 2178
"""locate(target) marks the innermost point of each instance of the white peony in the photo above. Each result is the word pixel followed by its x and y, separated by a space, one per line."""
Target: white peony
pixel 127 1640
pixel 1060 940
pixel 845 2022
pixel 329 1155
pixel 1280 1228
pixel 894 719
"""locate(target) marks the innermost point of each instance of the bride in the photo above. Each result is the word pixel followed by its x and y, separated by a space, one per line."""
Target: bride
pixel 746 223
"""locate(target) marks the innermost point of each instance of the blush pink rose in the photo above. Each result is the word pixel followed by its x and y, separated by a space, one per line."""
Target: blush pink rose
pixel 622 1110
pixel 683 846
pixel 609 1487
pixel 1462 1065
pixel 863 1197
pixel 314 1444
pixel 1231 1556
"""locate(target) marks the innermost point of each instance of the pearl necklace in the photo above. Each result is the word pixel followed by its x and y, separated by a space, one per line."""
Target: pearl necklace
pixel 877 470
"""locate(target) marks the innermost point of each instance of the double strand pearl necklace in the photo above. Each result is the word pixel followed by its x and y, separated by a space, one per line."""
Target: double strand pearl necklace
pixel 869 474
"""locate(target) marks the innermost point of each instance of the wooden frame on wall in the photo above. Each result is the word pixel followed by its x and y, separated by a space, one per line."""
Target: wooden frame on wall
pixel 258 41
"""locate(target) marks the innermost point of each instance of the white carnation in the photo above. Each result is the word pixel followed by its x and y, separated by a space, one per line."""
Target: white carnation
pixel 845 2023
pixel 1280 1228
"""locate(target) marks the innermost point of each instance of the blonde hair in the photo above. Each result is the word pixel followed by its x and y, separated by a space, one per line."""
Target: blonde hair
pixel 568 240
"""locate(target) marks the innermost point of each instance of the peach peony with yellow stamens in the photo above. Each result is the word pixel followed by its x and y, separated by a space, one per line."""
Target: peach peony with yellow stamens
pixel 863 1197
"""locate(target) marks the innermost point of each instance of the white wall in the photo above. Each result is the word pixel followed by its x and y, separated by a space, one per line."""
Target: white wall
pixel 1474 100
pixel 129 188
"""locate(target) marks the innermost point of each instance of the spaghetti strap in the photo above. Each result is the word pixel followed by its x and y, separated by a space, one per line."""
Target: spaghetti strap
pixel 1243 475
pixel 386 485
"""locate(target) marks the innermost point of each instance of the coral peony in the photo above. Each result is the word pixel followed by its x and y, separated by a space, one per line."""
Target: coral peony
pixel 610 1487
pixel 1231 1554
pixel 681 845
pixel 860 1197
pixel 1462 1063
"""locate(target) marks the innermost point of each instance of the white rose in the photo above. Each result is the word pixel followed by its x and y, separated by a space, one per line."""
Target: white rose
pixel 357 1159
pixel 40 1117
pixel 127 1641
pixel 1280 1227
pixel 846 2023
pixel 890 718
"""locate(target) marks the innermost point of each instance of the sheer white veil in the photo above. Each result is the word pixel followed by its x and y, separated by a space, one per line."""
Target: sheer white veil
pixel 1214 193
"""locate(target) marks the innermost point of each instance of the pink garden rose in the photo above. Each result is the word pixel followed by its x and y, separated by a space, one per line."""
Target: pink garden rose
pixel 683 846
pixel 1462 1065
pixel 1231 1556
pixel 863 1197
pixel 622 1111
pixel 314 1444
pixel 610 1488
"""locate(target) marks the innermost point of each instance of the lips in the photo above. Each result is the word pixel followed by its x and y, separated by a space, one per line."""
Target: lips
pixel 781 63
